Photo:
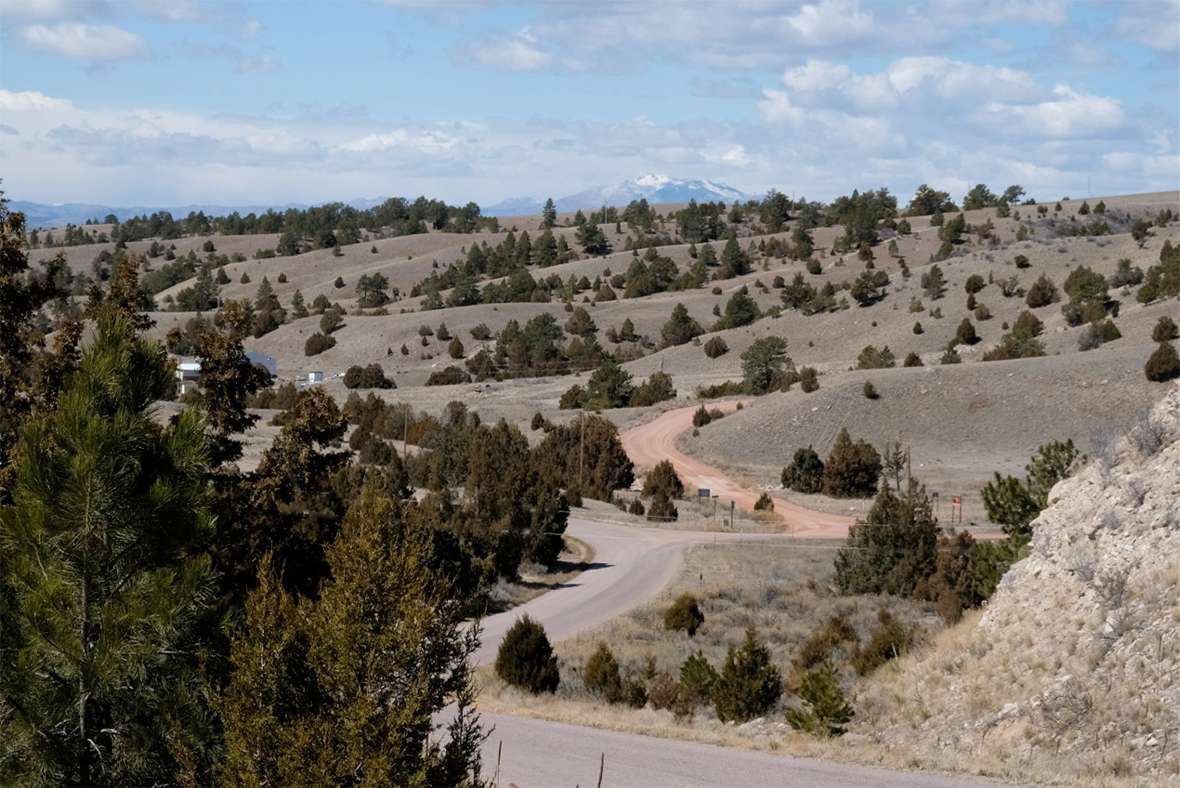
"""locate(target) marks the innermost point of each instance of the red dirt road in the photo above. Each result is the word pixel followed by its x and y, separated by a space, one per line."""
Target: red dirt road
pixel 650 443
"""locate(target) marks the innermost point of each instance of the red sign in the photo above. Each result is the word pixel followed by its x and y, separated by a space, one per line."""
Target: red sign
pixel 956 499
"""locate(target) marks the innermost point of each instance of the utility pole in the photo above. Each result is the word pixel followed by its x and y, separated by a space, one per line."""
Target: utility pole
pixel 581 452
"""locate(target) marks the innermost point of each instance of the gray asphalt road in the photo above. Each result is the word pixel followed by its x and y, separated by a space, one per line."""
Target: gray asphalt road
pixel 539 754
pixel 632 564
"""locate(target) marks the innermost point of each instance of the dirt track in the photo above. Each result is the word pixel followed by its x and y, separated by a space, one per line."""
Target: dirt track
pixel 654 441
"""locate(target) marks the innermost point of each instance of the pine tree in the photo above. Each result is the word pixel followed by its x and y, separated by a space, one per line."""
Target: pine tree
pixel 825 710
pixel 549 214
pixel 680 328
pixel 104 583
pixel 852 469
pixel 763 362
pixel 298 307
pixel 894 548
pixel 342 689
pixel 609 387
pixel 749 684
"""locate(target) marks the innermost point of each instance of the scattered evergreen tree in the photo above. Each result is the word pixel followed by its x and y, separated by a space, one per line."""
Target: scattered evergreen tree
pixel 526 658
pixel 894 549
pixel 1163 364
pixel 805 473
pixel 825 711
pixel 763 363
pixel 601 675
pixel 749 684
pixel 852 469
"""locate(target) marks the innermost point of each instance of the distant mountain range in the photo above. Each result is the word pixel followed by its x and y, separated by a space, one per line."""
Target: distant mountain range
pixel 655 188
pixel 60 214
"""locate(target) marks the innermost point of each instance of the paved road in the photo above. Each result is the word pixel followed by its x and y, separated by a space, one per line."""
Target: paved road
pixel 631 565
pixel 539 754
pixel 654 441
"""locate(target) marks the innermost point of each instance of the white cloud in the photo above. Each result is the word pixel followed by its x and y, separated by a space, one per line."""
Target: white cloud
pixel 733 156
pixel 1068 114
pixel 251 28
pixel 817 75
pixel 429 142
pixel 95 43
pixel 776 107
pixel 831 22
pixel 517 52
pixel 31 101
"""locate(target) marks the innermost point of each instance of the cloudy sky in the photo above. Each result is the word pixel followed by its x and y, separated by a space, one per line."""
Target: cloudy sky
pixel 134 102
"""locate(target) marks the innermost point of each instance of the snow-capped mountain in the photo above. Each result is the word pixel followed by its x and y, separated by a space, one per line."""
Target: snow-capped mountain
pixel 654 188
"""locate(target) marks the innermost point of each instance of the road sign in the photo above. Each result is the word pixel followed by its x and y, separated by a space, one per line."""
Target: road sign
pixel 704 492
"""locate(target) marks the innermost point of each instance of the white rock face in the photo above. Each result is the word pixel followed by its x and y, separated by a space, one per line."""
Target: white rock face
pixel 1074 666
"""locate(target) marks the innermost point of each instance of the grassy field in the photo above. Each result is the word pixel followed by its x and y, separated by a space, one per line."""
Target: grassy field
pixel 782 590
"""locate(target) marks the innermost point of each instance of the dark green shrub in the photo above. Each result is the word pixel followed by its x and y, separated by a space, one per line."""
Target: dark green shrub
pixel 918 328
pixel 448 377
pixel 663 479
pixel 716 347
pixel 601 675
pixel 1042 293
pixel 571 398
pixel 805 474
pixel 912 360
pixel 1165 330
pixel 872 358
pixel 1163 364
pixel 764 503
pixel 852 469
pixel 697 679
pixel 481 332
pixel 636 507
pixel 965 335
pixel 317 343
pixel 825 711
pixel 894 549
pixel 808 380
pixel 662 509
pixel 701 417
pixel 870 391
pixel 526 659
pixel 749 684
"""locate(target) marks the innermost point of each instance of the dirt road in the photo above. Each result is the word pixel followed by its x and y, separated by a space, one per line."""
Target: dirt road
pixel 654 441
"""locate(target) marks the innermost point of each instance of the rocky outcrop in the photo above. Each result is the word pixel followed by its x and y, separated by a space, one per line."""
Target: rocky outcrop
pixel 1073 669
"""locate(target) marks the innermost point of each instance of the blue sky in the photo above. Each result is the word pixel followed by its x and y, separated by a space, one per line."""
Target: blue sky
pixel 180 101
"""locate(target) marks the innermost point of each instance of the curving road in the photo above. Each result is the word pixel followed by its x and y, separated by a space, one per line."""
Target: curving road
pixel 654 441
pixel 631 565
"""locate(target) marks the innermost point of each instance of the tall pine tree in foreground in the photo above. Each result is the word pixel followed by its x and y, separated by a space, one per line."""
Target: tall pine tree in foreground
pixel 341 690
pixel 104 581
